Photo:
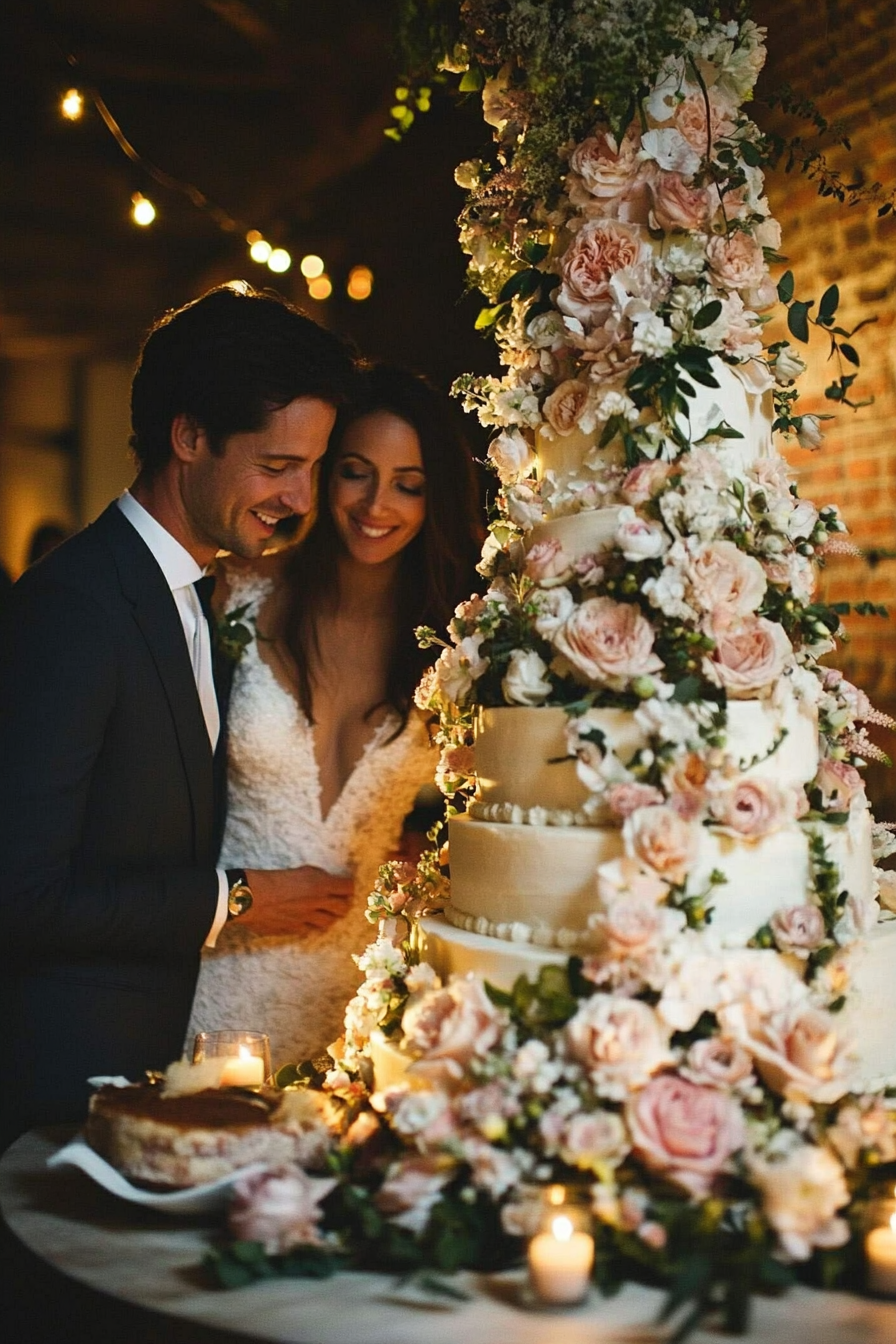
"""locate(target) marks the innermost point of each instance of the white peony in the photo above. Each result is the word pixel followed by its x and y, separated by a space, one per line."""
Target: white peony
pixel 511 456
pixel 525 681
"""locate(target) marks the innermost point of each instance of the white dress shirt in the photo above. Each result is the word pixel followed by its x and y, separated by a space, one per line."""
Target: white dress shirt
pixel 181 571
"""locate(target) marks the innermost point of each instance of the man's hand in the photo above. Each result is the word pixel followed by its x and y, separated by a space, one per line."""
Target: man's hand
pixel 295 900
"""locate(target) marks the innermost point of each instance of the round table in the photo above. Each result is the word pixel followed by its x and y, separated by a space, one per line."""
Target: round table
pixel 151 1259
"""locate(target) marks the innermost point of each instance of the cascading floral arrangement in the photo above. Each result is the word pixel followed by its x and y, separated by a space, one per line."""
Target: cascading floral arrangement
pixel 623 242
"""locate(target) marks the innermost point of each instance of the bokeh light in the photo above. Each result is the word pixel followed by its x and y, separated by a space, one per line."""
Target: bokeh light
pixel 312 266
pixel 143 212
pixel 320 287
pixel 279 260
pixel 360 283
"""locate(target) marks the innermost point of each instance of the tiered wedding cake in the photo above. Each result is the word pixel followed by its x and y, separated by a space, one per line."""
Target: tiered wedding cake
pixel 661 964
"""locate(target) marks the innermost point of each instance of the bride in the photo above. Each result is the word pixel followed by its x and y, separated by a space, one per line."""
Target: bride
pixel 326 751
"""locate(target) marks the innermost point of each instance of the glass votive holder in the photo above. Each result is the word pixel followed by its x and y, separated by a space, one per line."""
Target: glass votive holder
pixel 880 1245
pixel 246 1056
pixel 561 1248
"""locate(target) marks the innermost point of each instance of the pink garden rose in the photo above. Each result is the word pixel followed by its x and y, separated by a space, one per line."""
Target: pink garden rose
pixel 802 1190
pixel 623 799
pixel 645 481
pixel 749 656
pixel 839 783
pixel 627 877
pixel 797 1051
pixel 600 249
pixel 630 928
pixel 565 406
pixel 677 204
pixel 716 1062
pixel 448 1027
pixel 686 781
pixel 594 1140
pixel 280 1208
pixel 608 642
pixel 411 1188
pixel 700 131
pixel 798 930
pixel 736 260
pixel 548 563
pixel 753 808
pixel 638 538
pixel 609 177
pixel 686 1133
pixel 620 1041
pixel 663 840
pixel 726 582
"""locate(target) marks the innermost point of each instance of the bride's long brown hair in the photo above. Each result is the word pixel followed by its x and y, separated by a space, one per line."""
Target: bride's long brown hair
pixel 437 567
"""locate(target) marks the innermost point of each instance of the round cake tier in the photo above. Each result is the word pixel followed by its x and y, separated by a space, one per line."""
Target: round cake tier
pixel 568 458
pixel 522 761
pixel 452 951
pixel 867 1019
pixel 537 884
pixel 579 534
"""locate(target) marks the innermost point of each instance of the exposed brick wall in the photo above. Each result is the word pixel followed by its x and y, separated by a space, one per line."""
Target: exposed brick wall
pixel 842 56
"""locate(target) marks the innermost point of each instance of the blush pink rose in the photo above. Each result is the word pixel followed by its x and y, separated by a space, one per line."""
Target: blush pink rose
pixel 753 808
pixel 564 407
pixel 798 930
pixel 630 928
pixel 749 656
pixel 609 177
pixel 448 1027
pixel 645 481
pixel 593 1140
pixel 839 783
pixel 623 799
pixel 621 1042
pixel 411 1188
pixel 627 877
pixel 701 132
pixel 600 249
pixel 663 840
pixel 548 563
pixel 677 205
pixel 725 581
pixel 736 260
pixel 608 642
pixel 685 1132
pixel 802 1190
pixel 716 1062
pixel 686 781
pixel 280 1208
pixel 797 1051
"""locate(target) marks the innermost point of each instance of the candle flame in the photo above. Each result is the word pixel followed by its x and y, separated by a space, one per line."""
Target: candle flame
pixel 562 1229
pixel 557 1195
pixel 245 1052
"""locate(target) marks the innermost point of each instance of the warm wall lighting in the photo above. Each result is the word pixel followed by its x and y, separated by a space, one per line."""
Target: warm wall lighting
pixel 72 105
pixel 360 283
pixel 320 287
pixel 143 211
pixel 279 260
pixel 311 266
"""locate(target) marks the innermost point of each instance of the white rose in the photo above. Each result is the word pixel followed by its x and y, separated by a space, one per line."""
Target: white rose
pixel 511 456
pixel 458 668
pixel 802 1191
pixel 639 539
pixel 621 1042
pixel 554 607
pixel 808 432
pixel 788 366
pixel 525 681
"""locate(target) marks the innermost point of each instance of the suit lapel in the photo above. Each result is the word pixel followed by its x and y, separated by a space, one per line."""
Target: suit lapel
pixel 155 613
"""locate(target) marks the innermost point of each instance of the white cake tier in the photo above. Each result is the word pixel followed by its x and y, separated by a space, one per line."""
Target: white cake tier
pixel 867 1020
pixel 537 883
pixel 563 457
pixel 579 534
pixel 520 751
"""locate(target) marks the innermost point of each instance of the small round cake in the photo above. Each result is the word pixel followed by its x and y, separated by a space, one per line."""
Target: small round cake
pixel 172 1142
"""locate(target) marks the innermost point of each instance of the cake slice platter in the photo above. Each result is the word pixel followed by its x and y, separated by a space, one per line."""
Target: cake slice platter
pixel 209 1198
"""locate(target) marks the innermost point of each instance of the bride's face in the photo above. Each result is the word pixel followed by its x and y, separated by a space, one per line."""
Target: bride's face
pixel 378 489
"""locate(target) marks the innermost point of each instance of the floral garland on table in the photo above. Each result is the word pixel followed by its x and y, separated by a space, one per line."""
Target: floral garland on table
pixel 699 1091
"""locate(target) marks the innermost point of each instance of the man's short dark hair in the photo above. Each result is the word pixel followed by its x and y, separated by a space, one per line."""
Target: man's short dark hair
pixel 227 360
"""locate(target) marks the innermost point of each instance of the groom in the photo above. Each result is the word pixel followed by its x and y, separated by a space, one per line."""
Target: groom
pixel 111 721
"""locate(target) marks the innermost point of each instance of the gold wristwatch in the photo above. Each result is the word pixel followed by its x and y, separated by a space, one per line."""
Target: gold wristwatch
pixel 239 893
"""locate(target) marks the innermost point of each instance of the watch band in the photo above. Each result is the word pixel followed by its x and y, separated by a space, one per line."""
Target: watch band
pixel 239 893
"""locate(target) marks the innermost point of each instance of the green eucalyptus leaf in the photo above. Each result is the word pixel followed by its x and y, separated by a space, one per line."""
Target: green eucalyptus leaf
pixel 785 287
pixel 848 352
pixel 798 319
pixel 709 313
pixel 828 304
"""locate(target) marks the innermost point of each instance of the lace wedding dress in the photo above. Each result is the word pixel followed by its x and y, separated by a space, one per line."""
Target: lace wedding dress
pixel 296 988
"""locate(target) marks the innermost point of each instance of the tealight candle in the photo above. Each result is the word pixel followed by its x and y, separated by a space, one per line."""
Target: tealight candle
pixel 560 1262
pixel 880 1252
pixel 243 1070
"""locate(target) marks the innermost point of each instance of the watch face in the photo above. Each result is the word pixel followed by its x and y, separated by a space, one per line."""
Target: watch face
pixel 239 900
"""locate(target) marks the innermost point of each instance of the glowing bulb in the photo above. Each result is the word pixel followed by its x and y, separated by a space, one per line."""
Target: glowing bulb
pixel 311 266
pixel 279 260
pixel 143 211
pixel 360 283
pixel 320 287
pixel 261 251
pixel 72 106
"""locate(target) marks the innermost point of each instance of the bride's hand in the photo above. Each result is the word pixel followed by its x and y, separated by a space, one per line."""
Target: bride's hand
pixel 295 900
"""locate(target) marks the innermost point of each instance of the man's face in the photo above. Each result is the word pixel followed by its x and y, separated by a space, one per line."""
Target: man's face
pixel 234 501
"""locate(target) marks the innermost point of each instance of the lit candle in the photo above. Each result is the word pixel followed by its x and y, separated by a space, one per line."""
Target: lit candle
pixel 560 1262
pixel 243 1070
pixel 880 1249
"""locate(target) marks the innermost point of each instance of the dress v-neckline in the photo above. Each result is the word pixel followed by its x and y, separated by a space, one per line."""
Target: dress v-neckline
pixel 307 742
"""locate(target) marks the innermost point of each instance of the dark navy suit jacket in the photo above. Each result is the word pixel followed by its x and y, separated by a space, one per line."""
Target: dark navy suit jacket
pixel 111 812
